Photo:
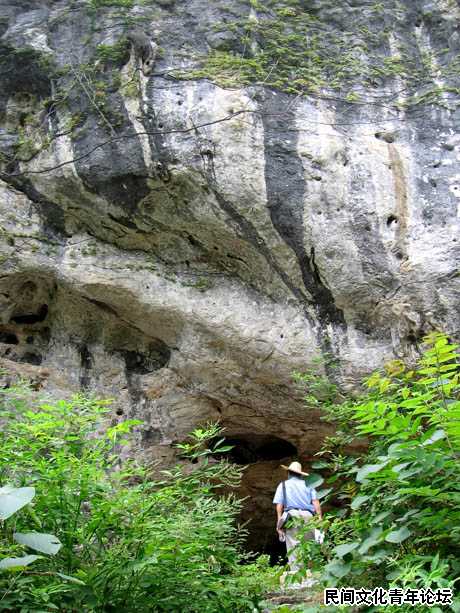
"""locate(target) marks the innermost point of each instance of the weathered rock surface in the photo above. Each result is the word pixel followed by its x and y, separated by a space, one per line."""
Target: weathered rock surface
pixel 183 248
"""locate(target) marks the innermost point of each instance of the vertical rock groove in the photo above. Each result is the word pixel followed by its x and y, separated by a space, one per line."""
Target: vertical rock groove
pixel 285 185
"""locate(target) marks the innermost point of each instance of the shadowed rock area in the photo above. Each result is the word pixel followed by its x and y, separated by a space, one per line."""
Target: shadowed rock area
pixel 183 246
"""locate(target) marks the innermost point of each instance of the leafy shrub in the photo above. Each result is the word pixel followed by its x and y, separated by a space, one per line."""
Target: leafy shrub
pixel 132 540
pixel 403 524
pixel 12 499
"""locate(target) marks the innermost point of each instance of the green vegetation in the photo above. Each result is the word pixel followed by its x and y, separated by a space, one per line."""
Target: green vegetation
pixel 126 4
pixel 126 536
pixel 115 53
pixel 400 526
pixel 288 46
pixel 133 538
pixel 12 499
pixel 202 284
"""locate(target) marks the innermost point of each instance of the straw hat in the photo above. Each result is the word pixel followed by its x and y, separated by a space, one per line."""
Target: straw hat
pixel 295 467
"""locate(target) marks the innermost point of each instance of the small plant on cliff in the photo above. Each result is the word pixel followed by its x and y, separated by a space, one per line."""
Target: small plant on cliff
pixel 97 4
pixel 402 527
pixel 133 538
pixel 115 53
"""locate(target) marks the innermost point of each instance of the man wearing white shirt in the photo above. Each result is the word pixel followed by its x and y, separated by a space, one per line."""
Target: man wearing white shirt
pixel 293 498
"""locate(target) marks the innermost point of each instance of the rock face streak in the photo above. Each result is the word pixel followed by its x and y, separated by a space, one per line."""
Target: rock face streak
pixel 183 247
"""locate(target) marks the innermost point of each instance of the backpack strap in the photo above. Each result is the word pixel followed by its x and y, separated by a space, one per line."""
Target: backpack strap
pixel 284 495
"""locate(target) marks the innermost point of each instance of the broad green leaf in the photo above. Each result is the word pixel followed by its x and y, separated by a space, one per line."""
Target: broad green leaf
pixel 223 449
pixel 9 563
pixel 399 467
pixel 378 556
pixel 368 469
pixel 320 464
pixel 398 536
pixel 342 550
pixel 395 450
pixel 374 537
pixel 14 498
pixel 322 493
pixel 338 568
pixel 404 474
pixel 395 574
pixel 425 491
pixel 378 518
pixel 314 480
pixel 70 579
pixel 408 514
pixel 434 562
pixel 46 543
pixel 358 501
pixel 436 436
pixel 145 562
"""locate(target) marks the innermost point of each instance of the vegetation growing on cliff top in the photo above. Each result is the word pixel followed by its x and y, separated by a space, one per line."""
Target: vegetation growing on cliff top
pixel 301 50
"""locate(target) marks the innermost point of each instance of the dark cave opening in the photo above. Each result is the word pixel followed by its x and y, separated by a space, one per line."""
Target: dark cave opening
pixel 156 357
pixel 31 358
pixel 251 448
pixel 8 338
pixel 32 318
pixel 261 455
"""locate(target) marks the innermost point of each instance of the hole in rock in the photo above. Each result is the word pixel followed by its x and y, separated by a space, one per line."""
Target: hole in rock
pixel 192 241
pixel 391 220
pixel 251 448
pixel 32 318
pixel 157 356
pixel 31 358
pixel 86 360
pixel 415 336
pixel 8 338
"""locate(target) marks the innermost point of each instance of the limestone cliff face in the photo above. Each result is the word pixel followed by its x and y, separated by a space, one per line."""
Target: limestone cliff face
pixel 183 245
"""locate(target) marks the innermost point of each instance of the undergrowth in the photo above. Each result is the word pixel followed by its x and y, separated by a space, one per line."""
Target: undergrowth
pixel 133 537
pixel 398 520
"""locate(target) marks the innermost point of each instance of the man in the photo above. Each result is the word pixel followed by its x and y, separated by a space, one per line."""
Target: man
pixel 294 496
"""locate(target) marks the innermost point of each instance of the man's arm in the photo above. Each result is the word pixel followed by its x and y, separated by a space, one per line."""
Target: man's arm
pixel 279 512
pixel 318 508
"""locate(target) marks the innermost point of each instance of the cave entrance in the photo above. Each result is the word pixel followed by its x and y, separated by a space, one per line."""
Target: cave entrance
pixel 251 448
pixel 262 455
